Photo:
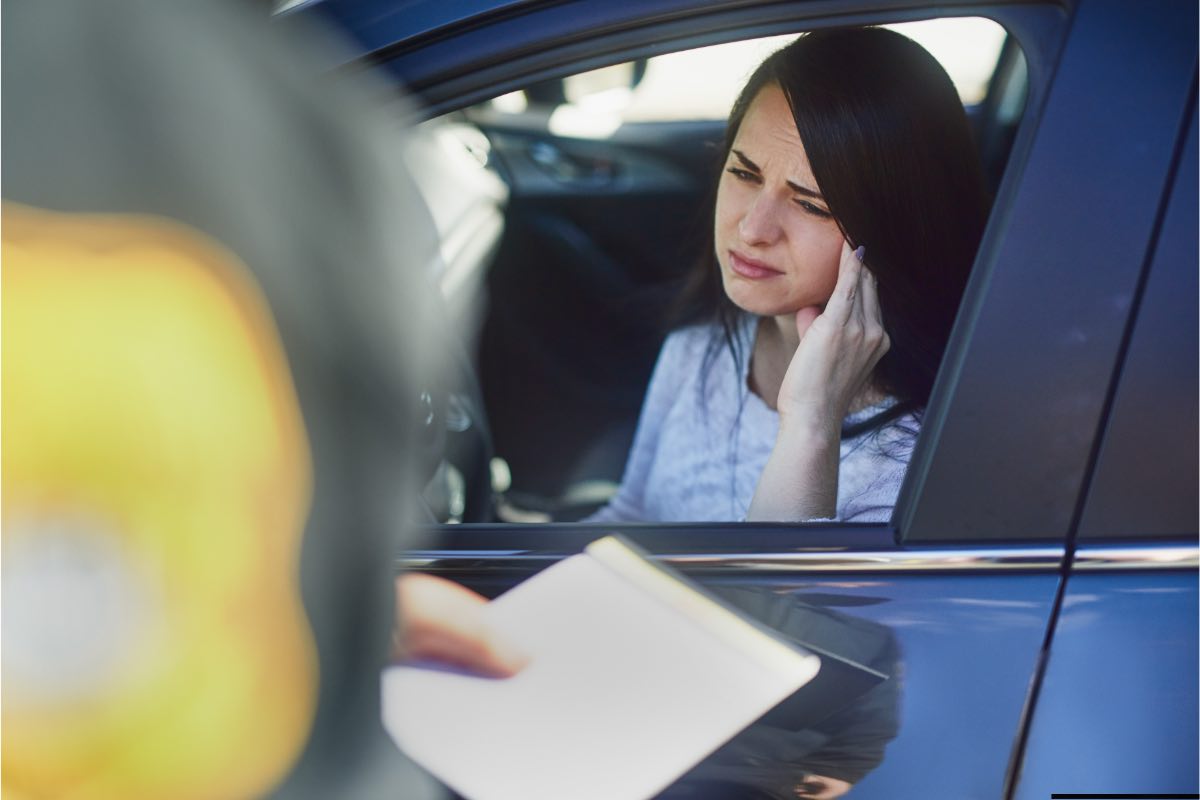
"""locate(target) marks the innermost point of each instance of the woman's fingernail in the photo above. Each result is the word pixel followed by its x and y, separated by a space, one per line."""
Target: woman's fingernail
pixel 860 253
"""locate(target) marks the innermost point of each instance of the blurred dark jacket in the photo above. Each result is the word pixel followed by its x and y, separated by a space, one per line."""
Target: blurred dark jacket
pixel 206 113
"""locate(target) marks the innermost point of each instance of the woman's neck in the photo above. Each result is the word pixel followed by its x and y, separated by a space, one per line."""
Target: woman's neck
pixel 775 341
pixel 783 330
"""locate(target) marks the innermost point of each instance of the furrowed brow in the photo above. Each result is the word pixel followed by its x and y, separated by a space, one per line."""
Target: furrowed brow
pixel 746 162
pixel 804 190
pixel 795 187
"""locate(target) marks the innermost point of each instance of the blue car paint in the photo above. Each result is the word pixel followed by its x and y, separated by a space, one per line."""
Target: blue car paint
pixel 1124 660
pixel 970 643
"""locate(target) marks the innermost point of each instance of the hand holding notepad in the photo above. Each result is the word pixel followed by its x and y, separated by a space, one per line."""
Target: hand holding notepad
pixel 634 676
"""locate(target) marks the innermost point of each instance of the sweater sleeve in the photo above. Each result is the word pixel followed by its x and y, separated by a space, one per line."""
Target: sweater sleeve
pixel 628 504
pixel 877 501
pixel 884 461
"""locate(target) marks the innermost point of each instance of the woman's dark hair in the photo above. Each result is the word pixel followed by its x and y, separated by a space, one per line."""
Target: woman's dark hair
pixel 891 150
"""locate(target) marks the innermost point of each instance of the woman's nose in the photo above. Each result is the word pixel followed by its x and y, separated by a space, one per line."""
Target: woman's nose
pixel 760 223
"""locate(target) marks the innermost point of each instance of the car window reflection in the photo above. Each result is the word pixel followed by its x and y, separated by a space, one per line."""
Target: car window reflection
pixel 832 732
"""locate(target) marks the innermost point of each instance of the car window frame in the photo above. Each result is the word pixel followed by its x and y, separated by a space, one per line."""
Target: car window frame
pixel 1033 481
pixel 1153 402
pixel 519 56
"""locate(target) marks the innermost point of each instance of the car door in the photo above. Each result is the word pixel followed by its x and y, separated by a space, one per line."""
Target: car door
pixel 1121 674
pixel 970 590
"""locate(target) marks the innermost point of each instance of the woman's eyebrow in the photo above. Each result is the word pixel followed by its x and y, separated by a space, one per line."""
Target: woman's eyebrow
pixel 804 190
pixel 746 162
pixel 795 187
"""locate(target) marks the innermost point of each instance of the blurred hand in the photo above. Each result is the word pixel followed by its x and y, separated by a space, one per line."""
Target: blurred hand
pixel 439 620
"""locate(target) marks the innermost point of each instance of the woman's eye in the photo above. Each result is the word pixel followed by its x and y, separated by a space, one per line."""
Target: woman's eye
pixel 813 209
pixel 742 174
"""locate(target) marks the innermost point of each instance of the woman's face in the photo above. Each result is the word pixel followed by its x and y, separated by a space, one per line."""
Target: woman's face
pixel 777 243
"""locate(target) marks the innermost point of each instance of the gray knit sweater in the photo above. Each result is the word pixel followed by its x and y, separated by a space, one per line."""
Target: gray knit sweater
pixel 703 439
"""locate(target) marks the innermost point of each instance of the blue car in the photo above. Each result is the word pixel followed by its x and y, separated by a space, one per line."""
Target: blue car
pixel 1033 602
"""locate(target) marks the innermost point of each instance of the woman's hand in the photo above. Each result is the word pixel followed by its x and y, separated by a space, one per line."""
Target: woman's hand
pixel 438 620
pixel 839 348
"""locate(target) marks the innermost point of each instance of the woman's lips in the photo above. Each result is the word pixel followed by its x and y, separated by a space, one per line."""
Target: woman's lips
pixel 749 268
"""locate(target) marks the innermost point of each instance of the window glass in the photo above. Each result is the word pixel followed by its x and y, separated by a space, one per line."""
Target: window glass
pixel 701 84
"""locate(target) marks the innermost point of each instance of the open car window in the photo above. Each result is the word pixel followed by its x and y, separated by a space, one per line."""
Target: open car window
pixel 701 84
pixel 585 198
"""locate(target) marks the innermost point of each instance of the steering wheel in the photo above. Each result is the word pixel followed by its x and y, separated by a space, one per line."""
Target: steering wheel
pixel 456 446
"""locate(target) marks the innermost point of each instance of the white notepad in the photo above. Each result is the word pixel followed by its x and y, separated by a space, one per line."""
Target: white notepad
pixel 634 677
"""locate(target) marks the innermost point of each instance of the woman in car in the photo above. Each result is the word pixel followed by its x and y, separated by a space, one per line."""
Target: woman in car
pixel 847 215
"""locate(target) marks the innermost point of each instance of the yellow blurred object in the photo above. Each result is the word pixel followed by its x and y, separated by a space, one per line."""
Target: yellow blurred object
pixel 156 484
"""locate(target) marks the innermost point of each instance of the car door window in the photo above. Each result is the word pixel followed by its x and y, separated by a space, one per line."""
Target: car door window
pixel 701 84
pixel 609 174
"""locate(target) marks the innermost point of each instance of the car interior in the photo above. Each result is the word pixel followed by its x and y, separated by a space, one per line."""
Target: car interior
pixel 564 240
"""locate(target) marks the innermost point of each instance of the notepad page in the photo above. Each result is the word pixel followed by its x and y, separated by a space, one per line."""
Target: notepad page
pixel 752 639
pixel 622 695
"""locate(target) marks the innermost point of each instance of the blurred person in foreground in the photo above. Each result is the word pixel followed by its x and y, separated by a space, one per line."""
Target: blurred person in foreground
pixel 210 386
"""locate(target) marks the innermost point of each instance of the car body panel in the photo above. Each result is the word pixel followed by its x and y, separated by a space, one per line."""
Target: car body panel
pixel 970 635
pixel 1156 407
pixel 471 59
pixel 1033 326
pixel 1124 662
